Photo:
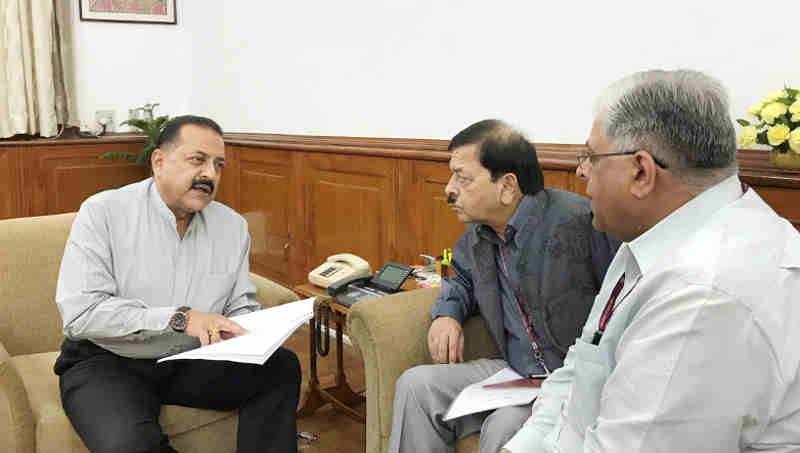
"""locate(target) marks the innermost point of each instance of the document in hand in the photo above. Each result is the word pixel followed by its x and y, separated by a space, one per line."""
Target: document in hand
pixel 478 397
pixel 266 330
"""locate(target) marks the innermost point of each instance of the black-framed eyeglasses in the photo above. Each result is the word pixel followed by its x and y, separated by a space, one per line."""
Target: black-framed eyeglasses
pixel 592 157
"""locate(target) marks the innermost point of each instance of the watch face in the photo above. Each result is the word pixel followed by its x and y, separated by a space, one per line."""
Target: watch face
pixel 178 321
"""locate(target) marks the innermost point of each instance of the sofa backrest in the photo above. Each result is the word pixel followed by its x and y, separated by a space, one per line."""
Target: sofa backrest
pixel 30 256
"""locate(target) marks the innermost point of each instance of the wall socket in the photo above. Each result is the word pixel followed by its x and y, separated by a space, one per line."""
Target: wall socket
pixel 108 116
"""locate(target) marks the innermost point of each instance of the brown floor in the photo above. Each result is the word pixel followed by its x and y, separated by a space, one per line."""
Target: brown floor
pixel 337 432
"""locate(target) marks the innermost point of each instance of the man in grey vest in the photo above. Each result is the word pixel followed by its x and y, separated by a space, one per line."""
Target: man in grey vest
pixel 529 263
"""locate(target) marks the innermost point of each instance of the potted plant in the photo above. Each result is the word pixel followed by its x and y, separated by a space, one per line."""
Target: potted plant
pixel 777 125
pixel 150 127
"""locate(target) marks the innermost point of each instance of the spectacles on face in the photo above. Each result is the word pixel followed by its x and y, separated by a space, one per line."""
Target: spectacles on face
pixel 591 158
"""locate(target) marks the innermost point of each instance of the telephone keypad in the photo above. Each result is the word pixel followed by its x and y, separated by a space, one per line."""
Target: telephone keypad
pixel 329 271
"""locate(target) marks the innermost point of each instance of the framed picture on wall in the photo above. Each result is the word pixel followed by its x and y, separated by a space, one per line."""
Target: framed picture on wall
pixel 141 11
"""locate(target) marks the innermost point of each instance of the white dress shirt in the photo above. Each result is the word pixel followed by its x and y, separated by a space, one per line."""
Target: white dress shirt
pixel 125 271
pixel 703 350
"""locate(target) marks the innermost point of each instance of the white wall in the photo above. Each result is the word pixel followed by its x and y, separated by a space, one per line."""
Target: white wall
pixel 422 69
pixel 119 66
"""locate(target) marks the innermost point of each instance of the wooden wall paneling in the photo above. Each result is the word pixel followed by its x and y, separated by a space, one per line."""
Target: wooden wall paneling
pixel 784 201
pixel 300 248
pixel 265 197
pixel 10 183
pixel 556 179
pixel 228 191
pixel 62 177
pixel 425 224
pixel 351 206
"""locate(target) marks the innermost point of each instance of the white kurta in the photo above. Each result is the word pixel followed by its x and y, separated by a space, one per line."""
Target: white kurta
pixel 703 350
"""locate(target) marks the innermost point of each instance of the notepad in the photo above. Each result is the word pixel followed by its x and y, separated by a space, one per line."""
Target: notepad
pixel 498 390
pixel 266 329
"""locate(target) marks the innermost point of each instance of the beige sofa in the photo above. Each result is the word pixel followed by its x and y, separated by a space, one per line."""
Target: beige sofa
pixel 392 334
pixel 31 417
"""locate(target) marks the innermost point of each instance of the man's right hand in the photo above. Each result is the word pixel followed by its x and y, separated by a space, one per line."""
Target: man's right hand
pixel 211 327
pixel 446 340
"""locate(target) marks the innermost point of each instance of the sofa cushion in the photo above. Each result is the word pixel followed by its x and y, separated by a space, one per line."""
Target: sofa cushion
pixel 468 444
pixel 53 429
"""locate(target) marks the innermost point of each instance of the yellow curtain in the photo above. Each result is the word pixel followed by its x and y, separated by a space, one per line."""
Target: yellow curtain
pixel 36 90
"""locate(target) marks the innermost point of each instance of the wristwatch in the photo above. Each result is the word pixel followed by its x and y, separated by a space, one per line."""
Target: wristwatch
pixel 179 319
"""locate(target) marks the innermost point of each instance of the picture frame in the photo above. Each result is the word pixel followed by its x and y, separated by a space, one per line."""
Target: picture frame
pixel 129 11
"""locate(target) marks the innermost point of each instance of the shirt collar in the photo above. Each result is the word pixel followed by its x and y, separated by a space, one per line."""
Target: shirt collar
pixel 527 209
pixel 672 231
pixel 154 198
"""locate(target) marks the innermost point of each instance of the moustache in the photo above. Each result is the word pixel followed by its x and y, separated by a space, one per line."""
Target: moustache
pixel 203 182
pixel 451 199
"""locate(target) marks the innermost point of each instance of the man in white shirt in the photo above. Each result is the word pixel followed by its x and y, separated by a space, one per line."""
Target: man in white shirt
pixel 692 342
pixel 152 269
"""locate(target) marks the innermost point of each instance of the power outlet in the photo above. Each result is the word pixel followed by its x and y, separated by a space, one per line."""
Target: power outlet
pixel 107 117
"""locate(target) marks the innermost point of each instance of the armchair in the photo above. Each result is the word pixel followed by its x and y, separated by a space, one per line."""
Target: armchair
pixel 392 334
pixel 31 416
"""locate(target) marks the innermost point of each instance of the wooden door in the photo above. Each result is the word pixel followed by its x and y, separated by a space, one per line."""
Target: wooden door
pixel 427 224
pixel 263 181
pixel 62 177
pixel 351 207
pixel 10 186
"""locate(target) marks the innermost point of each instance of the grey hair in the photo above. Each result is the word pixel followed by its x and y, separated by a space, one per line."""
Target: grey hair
pixel 680 117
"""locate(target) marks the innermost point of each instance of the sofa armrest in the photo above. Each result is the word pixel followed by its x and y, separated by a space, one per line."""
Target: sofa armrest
pixel 17 426
pixel 392 334
pixel 269 293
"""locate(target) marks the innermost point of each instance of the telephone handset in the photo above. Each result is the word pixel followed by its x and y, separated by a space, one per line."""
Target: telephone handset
pixel 337 268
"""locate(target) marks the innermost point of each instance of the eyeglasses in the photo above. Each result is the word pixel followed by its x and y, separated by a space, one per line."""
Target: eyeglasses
pixel 592 157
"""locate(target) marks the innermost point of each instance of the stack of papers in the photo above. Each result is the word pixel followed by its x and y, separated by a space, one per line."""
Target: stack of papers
pixel 477 398
pixel 266 329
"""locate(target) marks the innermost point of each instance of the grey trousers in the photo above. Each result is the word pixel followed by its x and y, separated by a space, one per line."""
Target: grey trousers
pixel 424 393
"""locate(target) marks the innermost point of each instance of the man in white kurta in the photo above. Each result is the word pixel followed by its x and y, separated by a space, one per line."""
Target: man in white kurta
pixel 702 349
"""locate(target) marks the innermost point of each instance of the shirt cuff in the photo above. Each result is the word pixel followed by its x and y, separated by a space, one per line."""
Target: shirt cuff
pixel 450 310
pixel 157 318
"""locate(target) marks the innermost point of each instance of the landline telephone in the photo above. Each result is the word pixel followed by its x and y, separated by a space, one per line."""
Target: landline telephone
pixel 348 291
pixel 337 268
pixel 387 280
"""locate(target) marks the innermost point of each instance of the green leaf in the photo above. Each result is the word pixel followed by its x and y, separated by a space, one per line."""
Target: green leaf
pixel 137 123
pixel 792 92
pixel 761 138
pixel 742 122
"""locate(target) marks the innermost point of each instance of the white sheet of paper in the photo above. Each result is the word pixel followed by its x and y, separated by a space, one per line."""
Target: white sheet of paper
pixel 475 398
pixel 266 330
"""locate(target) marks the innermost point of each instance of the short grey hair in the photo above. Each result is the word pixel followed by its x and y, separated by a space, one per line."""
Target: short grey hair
pixel 680 117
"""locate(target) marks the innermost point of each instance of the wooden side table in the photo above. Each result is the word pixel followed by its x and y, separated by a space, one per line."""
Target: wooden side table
pixel 340 395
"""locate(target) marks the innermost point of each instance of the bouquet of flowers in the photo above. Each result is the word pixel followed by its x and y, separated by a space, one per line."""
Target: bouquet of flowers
pixel 777 122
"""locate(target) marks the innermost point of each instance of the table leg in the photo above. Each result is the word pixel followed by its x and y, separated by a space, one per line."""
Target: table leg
pixel 314 399
pixel 340 395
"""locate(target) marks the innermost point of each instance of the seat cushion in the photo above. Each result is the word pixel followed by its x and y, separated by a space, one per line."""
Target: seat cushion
pixel 54 432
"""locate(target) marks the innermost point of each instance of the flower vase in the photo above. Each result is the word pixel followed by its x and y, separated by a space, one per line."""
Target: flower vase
pixel 788 160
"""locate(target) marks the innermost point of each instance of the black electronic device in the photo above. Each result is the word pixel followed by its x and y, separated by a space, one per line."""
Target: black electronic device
pixel 387 280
